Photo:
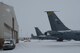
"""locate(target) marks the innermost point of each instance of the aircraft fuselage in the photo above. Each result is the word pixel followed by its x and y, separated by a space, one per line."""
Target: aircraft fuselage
pixel 67 34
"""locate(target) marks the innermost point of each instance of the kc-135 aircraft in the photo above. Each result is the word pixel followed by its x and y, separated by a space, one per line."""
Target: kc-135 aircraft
pixel 42 36
pixel 39 34
pixel 59 30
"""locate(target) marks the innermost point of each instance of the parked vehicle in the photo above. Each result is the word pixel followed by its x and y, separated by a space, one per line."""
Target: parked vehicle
pixel 8 45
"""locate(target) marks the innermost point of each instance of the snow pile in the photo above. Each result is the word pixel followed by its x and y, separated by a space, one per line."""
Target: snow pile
pixel 46 46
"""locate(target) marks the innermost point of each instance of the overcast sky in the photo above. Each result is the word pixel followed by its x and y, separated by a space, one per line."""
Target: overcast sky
pixel 30 14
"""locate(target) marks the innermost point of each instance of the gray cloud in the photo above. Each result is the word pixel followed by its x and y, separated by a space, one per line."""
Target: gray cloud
pixel 30 13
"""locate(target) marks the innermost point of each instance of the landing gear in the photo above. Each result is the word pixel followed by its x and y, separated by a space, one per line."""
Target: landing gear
pixel 60 40
pixel 40 38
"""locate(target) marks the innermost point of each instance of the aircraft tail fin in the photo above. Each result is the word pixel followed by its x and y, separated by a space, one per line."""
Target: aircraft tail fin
pixel 55 22
pixel 38 32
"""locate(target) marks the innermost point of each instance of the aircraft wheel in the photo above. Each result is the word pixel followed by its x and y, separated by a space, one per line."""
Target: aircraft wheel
pixel 60 39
